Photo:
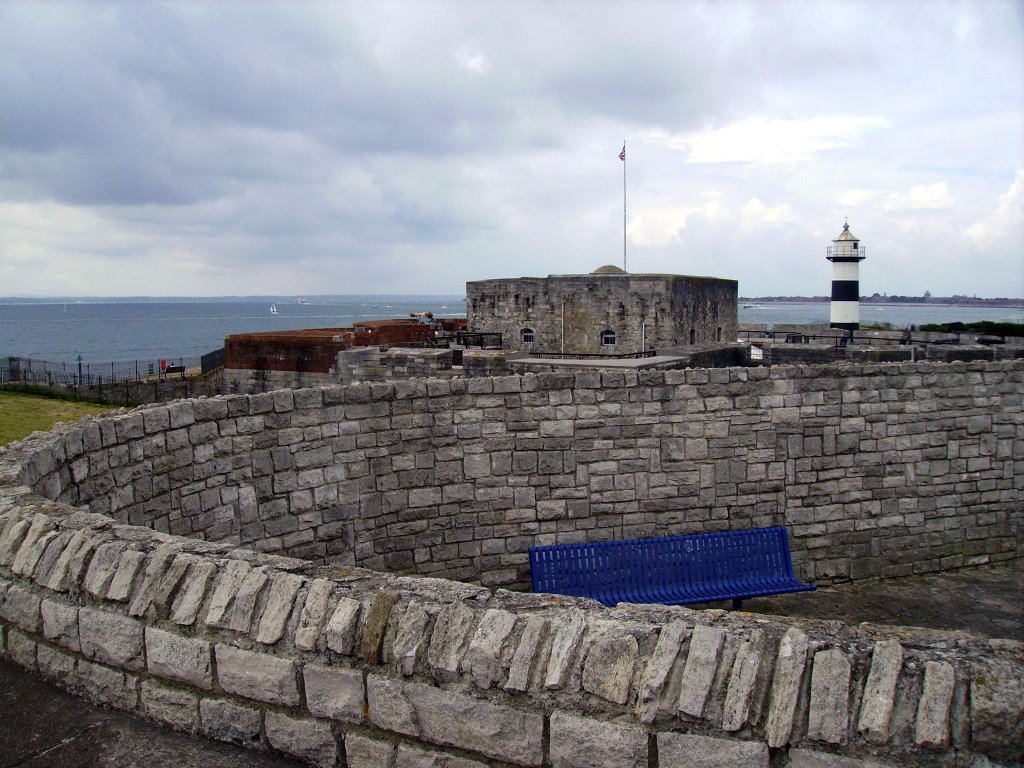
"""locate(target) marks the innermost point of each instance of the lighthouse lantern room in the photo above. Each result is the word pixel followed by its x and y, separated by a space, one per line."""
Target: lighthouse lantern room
pixel 845 254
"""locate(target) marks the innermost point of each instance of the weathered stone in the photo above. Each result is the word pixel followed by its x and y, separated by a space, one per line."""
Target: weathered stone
pixel 340 632
pixel 314 612
pixel 56 665
pixel 111 638
pixel 809 758
pixel 483 657
pixel 452 632
pixel 240 616
pixel 880 691
pixel 183 659
pixel 128 566
pixel 563 649
pixel 14 535
pixel 31 553
pixel 22 608
pixel 689 750
pixel 102 568
pixel 172 706
pixel 109 686
pixel 997 707
pixel 280 600
pixel 257 676
pixel 309 740
pixel 335 693
pixel 933 709
pixel 411 633
pixel 413 757
pixel 525 657
pixel 56 547
pixel 789 671
pixel 658 668
pixel 701 667
pixel 364 752
pixel 452 719
pixel 742 683
pixel 167 587
pixel 158 562
pixel 608 668
pixel 375 625
pixel 189 601
pixel 60 623
pixel 581 742
pixel 227 721
pixel 21 649
pixel 828 717
pixel 59 577
pixel 225 588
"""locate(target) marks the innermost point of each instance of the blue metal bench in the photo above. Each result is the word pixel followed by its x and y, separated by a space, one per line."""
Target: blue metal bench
pixel 674 570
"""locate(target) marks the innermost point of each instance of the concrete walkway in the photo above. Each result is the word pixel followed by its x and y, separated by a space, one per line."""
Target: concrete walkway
pixel 42 726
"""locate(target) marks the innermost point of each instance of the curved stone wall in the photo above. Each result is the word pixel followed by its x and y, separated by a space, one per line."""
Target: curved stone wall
pixel 877 470
pixel 343 665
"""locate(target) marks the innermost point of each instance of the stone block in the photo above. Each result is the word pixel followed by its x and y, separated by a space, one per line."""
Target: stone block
pixel 880 691
pixel 785 693
pixel 689 750
pixel 453 630
pixel 112 687
pixel 375 624
pixel 257 676
pixel 111 638
pixel 240 616
pixel 527 652
pixel 60 623
pixel 189 601
pixel 228 582
pixel 608 669
pixel 103 567
pixel 21 649
pixel 280 600
pixel 171 706
pixel 997 708
pixel 129 565
pixel 158 563
pixel 314 613
pixel 226 721
pixel 182 659
pixel 829 712
pixel 452 719
pixel 563 649
pixel 932 728
pixel 21 607
pixel 483 657
pixel 582 742
pixel 364 752
pixel 658 668
pixel 699 672
pixel 334 693
pixel 413 757
pixel 57 666
pixel 809 758
pixel 409 637
pixel 309 740
pixel 742 683
pixel 340 632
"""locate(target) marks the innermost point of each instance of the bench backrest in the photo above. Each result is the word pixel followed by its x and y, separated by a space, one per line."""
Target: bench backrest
pixel 708 559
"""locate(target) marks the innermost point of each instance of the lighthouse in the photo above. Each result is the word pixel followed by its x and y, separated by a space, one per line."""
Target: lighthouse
pixel 845 254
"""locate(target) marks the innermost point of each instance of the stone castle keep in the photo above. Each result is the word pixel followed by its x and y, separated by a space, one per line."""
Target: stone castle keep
pixel 605 312
pixel 329 572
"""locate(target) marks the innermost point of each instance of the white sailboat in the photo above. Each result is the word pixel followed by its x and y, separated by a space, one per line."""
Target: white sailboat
pixel 273 309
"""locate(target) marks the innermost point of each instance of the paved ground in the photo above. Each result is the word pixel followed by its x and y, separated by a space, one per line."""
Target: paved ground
pixel 42 727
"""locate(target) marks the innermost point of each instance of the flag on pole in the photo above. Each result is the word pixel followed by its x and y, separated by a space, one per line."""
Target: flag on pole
pixel 622 154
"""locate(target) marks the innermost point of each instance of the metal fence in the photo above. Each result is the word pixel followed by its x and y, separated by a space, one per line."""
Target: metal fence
pixel 27 370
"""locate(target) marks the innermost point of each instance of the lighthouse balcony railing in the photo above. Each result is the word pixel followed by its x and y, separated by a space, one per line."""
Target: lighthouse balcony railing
pixel 845 252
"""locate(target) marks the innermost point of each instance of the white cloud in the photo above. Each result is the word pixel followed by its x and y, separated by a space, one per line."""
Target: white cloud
pixel 922 197
pixel 770 140
pixel 755 213
pixel 1006 222
pixel 473 60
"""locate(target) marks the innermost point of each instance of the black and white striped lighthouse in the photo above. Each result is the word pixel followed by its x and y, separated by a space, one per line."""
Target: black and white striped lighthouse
pixel 845 254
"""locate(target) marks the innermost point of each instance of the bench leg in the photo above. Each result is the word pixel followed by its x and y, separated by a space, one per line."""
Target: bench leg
pixel 737 605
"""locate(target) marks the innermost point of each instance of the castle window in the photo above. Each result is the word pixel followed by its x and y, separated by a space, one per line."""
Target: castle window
pixel 693 336
pixel 527 335
pixel 608 338
pixel 719 334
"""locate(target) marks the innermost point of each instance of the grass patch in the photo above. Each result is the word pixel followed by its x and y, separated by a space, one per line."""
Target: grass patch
pixel 21 414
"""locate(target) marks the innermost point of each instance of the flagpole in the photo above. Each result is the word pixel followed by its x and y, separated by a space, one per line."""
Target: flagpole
pixel 624 205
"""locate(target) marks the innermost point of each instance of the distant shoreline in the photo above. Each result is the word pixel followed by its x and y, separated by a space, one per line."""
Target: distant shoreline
pixel 993 303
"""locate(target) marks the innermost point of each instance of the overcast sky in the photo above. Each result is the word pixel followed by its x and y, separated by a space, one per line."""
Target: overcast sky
pixel 303 148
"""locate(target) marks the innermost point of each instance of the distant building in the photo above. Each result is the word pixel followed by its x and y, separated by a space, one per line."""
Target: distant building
pixel 606 312
pixel 846 255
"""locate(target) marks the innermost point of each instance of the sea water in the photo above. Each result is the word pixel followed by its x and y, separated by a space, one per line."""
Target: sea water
pixel 102 330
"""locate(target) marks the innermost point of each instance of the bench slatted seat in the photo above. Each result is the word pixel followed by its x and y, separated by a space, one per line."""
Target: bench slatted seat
pixel 673 570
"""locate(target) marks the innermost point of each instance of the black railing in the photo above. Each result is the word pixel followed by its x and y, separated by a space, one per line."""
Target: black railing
pixel 594 355
pixel 840 338
pixel 27 370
